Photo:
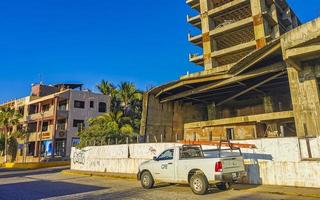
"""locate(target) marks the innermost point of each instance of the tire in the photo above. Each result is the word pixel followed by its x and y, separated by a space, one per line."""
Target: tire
pixel 199 184
pixel 147 181
pixel 223 186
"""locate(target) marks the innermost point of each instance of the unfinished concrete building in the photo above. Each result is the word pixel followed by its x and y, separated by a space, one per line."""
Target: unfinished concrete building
pixel 260 77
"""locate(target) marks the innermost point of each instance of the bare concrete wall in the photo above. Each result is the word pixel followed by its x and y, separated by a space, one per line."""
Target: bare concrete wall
pixel 276 161
pixel 168 119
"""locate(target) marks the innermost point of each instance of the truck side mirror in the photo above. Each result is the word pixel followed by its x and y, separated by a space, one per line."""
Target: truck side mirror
pixel 154 158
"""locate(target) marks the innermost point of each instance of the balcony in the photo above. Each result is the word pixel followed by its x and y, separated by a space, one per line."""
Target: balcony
pixel 195 21
pixel 196 40
pixel 36 116
pixel 196 59
pixel 35 136
pixel 195 4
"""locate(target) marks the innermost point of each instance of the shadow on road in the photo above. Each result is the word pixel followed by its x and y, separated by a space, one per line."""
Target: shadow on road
pixel 11 173
pixel 43 189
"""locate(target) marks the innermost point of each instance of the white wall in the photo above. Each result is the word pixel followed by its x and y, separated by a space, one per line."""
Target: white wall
pixel 275 161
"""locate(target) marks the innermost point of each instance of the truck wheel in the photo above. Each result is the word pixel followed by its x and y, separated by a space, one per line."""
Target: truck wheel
pixel 223 186
pixel 199 184
pixel 147 181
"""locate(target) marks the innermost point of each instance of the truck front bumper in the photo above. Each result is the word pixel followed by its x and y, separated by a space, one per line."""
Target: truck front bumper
pixel 230 177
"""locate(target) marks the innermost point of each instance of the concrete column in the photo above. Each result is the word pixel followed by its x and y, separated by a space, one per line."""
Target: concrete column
pixel 305 101
pixel 257 7
pixel 206 39
pixel 212 111
pixel 276 28
pixel 268 104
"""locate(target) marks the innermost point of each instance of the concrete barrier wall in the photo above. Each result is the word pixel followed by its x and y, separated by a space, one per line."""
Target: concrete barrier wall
pixel 276 161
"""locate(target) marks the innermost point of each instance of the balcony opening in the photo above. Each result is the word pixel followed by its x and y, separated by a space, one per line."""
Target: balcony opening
pixel 33 109
pixel 46 108
pixel 45 126
pixel 32 127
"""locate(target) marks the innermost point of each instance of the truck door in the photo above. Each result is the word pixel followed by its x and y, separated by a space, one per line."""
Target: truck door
pixel 164 170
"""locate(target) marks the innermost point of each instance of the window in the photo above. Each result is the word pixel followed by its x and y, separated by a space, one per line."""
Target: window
pixel 75 141
pixel 45 126
pixel 79 104
pixel 60 148
pixel 167 155
pixel 63 105
pixel 102 107
pixel 32 127
pixel 230 133
pixel 61 126
pixel 191 152
pixel 78 123
pixel 31 148
pixel 91 104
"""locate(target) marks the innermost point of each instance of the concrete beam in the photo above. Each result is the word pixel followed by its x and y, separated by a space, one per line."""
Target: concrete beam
pixel 272 68
pixel 231 27
pixel 242 119
pixel 233 49
pixel 230 5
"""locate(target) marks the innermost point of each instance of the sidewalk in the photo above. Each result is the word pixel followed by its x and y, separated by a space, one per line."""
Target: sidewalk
pixel 269 189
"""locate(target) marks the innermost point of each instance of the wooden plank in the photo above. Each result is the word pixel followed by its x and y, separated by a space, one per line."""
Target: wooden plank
pixel 251 88
pixel 279 66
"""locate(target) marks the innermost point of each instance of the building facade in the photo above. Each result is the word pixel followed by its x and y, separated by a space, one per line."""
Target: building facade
pixel 52 117
pixel 260 76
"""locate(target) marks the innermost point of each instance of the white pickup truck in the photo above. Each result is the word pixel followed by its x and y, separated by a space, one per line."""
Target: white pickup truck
pixel 189 164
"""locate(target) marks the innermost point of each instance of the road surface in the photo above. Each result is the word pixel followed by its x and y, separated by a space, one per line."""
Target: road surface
pixel 51 184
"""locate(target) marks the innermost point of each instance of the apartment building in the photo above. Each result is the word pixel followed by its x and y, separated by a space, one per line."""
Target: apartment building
pixel 52 116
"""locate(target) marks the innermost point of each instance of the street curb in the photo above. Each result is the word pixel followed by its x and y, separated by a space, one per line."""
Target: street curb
pixel 100 174
pixel 284 193
pixel 35 165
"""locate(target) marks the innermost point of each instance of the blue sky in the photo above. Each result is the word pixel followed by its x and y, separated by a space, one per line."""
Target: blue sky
pixel 84 41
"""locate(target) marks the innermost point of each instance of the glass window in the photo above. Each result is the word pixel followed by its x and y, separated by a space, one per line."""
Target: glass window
pixel 102 107
pixel 167 155
pixel 91 104
pixel 78 124
pixel 79 104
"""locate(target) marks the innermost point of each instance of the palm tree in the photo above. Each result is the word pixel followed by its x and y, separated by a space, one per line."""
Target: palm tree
pixel 128 94
pixel 107 88
pixel 8 118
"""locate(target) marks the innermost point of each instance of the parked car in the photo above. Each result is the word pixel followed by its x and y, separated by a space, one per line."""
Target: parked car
pixel 189 164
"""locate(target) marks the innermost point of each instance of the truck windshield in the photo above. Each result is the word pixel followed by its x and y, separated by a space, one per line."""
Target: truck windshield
pixel 223 153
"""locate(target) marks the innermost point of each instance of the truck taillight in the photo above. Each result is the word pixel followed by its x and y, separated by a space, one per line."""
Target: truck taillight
pixel 218 167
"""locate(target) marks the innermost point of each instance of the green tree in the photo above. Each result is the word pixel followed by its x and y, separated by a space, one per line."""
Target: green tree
pixel 107 126
pixel 9 118
pixel 107 88
pixel 128 95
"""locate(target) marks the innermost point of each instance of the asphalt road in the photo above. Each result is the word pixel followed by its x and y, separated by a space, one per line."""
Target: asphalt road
pixel 51 184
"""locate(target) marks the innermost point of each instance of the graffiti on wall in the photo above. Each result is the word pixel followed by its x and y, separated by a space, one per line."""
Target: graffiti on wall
pixel 79 157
